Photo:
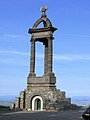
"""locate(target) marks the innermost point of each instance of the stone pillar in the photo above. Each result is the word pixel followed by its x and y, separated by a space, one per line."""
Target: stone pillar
pixel 46 59
pixel 12 106
pixel 17 102
pixel 22 99
pixel 32 58
pixel 50 55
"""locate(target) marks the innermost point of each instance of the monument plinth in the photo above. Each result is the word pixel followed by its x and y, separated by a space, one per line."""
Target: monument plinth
pixel 41 92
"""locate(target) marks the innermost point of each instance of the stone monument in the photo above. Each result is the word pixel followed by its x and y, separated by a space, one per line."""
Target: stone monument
pixel 41 92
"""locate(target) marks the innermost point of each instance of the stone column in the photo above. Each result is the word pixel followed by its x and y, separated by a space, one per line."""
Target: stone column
pixel 32 58
pixel 17 102
pixel 46 59
pixel 50 55
pixel 22 99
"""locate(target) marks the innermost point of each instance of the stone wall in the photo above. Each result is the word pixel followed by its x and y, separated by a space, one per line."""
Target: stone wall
pixel 52 100
pixel 17 102
pixel 22 99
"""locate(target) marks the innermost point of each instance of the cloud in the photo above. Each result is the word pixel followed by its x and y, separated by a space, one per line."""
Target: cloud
pixel 11 36
pixel 71 57
pixel 14 53
pixel 65 57
pixel 84 36
pixel 38 55
pixel 7 61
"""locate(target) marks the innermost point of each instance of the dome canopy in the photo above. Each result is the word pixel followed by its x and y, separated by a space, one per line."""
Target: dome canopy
pixel 44 19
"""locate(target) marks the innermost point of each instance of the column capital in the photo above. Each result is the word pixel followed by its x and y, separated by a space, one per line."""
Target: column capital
pixel 32 39
pixel 50 37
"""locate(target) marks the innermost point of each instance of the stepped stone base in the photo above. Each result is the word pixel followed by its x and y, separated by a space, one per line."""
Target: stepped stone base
pixel 52 99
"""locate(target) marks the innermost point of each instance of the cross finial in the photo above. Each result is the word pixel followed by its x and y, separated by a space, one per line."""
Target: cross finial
pixel 43 9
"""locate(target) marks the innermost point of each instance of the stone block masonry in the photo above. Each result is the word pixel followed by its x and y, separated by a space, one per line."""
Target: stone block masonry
pixel 41 92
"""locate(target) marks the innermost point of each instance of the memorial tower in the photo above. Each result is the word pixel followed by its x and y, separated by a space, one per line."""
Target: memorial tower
pixel 41 92
pixel 45 36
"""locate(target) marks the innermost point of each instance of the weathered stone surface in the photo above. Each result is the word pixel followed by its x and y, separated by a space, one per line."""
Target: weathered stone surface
pixel 22 99
pixel 55 98
pixel 17 102
pixel 12 106
pixel 41 92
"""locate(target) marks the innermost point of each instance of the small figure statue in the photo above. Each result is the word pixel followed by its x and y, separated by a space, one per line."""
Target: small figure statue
pixel 43 9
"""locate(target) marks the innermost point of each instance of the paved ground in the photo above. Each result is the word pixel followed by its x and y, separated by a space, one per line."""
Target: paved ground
pixel 24 115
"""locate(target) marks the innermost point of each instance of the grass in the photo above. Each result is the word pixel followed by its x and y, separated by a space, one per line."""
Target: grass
pixel 1 106
pixel 4 108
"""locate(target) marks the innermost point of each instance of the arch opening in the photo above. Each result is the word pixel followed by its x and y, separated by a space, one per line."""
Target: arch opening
pixel 39 59
pixel 46 22
pixel 37 103
pixel 42 24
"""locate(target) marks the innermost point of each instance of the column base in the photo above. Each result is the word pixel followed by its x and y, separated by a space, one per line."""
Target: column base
pixel 32 75
pixel 51 74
